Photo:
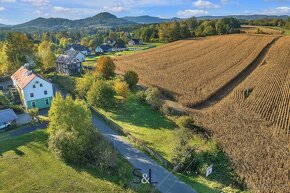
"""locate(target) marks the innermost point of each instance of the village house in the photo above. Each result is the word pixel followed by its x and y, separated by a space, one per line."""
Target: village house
pixel 135 42
pixel 34 91
pixel 7 118
pixel 70 63
pixel 77 47
pixel 5 83
pixel 104 48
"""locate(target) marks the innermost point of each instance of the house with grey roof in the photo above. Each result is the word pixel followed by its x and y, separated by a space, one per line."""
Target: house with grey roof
pixel 104 48
pixel 7 118
pixel 77 47
pixel 70 63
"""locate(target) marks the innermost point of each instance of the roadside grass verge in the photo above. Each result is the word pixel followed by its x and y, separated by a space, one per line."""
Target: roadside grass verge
pixel 160 134
pixel 26 166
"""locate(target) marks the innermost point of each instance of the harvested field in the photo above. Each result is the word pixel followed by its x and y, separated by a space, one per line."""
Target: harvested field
pixel 259 158
pixel 267 91
pixel 267 30
pixel 193 70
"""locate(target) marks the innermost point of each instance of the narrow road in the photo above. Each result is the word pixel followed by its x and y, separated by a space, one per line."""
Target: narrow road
pixel 227 88
pixel 166 182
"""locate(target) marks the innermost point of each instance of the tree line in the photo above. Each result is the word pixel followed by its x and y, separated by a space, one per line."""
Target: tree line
pixel 172 31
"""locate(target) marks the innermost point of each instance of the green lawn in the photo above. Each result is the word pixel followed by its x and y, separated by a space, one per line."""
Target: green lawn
pixel 91 60
pixel 159 133
pixel 27 166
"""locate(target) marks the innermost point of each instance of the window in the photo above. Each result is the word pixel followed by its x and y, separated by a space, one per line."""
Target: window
pixel 31 95
pixel 34 86
pixel 46 101
pixel 41 85
pixel 33 104
pixel 37 82
pixel 1 87
pixel 45 92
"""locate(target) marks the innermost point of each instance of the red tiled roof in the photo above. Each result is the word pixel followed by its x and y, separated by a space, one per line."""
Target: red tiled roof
pixel 22 77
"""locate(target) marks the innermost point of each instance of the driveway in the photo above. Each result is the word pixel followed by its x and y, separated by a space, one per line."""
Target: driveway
pixel 23 119
pixel 27 129
pixel 166 182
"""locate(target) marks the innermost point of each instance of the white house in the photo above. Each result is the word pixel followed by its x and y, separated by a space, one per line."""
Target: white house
pixel 77 47
pixel 104 48
pixel 35 91
pixel 7 118
pixel 135 42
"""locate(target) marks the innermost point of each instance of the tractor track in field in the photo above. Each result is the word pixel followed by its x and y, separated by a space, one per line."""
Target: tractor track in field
pixel 227 88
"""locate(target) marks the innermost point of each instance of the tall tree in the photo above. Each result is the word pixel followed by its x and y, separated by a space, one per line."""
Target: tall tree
pixel 46 55
pixel 18 47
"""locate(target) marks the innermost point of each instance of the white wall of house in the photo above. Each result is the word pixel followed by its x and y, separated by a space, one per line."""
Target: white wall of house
pixel 83 52
pixel 38 91
pixel 99 50
pixel 81 57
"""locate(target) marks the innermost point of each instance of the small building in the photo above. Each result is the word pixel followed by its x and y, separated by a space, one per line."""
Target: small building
pixel 104 48
pixel 70 63
pixel 77 47
pixel 34 90
pixel 6 83
pixel 7 118
pixel 135 42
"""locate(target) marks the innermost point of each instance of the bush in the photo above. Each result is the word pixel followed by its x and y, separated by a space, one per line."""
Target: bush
pixel 131 78
pixel 34 113
pixel 72 136
pixel 184 122
pixel 121 88
pixel 153 97
pixel 101 94
pixel 105 67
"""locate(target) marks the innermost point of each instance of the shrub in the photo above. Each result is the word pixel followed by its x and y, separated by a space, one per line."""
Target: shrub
pixel 84 84
pixel 105 67
pixel 101 94
pixel 72 136
pixel 165 109
pixel 131 78
pixel 184 122
pixel 121 88
pixel 34 112
pixel 153 97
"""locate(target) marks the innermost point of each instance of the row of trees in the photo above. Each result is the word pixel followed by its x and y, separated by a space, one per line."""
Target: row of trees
pixel 270 22
pixel 19 49
pixel 168 32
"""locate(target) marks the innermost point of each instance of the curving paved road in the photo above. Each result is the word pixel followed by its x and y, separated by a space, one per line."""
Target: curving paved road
pixel 167 182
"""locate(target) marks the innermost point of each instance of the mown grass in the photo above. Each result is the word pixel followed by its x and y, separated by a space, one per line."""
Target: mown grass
pixel 160 133
pixel 26 165
pixel 91 60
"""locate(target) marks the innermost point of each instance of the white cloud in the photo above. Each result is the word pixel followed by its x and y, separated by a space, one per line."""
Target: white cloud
pixel 2 8
pixel 62 9
pixel 283 10
pixel 191 12
pixel 37 2
pixel 114 9
pixel 7 1
pixel 205 4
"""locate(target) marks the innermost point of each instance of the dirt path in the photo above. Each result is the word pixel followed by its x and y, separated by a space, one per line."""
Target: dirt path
pixel 227 88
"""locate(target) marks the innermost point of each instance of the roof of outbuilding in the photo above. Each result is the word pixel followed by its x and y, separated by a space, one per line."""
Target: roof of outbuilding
pixel 78 47
pixel 69 57
pixel 7 115
pixel 22 77
pixel 105 47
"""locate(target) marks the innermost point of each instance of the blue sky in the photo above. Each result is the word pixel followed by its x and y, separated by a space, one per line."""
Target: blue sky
pixel 19 11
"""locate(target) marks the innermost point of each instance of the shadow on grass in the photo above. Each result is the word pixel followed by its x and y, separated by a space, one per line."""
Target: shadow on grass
pixel 135 112
pixel 14 143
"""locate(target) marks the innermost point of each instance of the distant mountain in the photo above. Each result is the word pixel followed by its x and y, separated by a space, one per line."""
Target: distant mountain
pixel 102 20
pixel 245 17
pixel 146 19
pixel 3 25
